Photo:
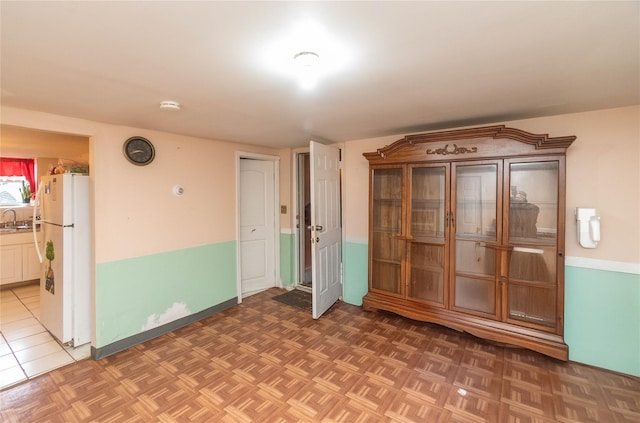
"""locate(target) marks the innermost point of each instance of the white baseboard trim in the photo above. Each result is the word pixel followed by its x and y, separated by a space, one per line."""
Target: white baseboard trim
pixel 357 240
pixel 596 264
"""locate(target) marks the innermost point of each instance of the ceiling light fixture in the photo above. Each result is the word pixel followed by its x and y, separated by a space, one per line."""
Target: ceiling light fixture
pixel 306 59
pixel 307 52
pixel 171 106
pixel 307 73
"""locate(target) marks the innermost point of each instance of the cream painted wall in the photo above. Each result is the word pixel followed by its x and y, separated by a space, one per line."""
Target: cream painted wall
pixel 603 171
pixel 30 143
pixel 135 211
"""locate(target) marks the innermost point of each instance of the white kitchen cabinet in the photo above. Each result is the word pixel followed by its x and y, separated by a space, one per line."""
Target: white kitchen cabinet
pixel 11 264
pixel 30 262
pixel 19 259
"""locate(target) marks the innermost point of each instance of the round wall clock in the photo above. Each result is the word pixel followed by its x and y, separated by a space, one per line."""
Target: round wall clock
pixel 139 151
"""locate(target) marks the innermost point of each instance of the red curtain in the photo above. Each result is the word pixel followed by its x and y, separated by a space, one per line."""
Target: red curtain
pixel 19 167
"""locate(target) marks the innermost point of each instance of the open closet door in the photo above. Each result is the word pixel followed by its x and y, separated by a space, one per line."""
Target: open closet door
pixel 326 233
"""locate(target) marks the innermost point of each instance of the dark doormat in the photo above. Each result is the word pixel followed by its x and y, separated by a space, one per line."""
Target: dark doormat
pixel 296 298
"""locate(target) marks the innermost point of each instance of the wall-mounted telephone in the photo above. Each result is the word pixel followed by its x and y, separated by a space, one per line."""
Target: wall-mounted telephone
pixel 588 227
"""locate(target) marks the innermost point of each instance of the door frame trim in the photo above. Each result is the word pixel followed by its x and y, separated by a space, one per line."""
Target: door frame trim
pixel 295 200
pixel 276 204
pixel 297 223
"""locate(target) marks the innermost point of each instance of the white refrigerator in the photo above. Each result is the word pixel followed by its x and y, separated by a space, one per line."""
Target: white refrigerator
pixel 64 251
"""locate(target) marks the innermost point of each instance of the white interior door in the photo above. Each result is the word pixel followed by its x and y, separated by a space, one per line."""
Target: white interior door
pixel 326 233
pixel 257 225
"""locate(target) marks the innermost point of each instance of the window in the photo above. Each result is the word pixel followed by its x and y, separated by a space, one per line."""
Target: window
pixel 10 189
pixel 13 174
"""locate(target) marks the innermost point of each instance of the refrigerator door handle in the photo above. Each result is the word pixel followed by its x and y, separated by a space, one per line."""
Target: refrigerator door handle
pixel 37 222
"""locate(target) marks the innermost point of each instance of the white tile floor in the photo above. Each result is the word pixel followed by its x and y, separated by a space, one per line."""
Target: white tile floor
pixel 26 348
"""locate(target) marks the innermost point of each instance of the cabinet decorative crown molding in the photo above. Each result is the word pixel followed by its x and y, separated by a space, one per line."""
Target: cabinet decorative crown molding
pixel 542 142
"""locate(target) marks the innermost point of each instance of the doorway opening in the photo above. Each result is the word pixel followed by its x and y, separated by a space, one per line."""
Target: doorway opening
pixel 21 283
pixel 303 224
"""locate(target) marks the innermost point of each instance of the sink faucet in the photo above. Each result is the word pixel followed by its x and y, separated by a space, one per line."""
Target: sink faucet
pixel 14 215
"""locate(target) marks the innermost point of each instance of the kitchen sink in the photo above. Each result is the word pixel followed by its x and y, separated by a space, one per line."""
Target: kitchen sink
pixel 14 229
pixel 16 225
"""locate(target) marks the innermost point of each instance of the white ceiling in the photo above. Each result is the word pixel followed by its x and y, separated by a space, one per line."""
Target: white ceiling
pixel 410 66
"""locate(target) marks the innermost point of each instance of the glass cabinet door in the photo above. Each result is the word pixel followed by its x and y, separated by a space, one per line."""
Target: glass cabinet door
pixel 474 220
pixel 386 254
pixel 532 234
pixel 427 234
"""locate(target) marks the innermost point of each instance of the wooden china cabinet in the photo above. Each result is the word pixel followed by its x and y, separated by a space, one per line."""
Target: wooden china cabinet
pixel 466 229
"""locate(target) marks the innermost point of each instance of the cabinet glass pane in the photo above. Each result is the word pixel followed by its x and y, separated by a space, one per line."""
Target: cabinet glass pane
pixel 427 202
pixel 533 205
pixel 533 229
pixel 475 276
pixel 427 272
pixel 387 221
pixel 533 304
pixel 475 258
pixel 476 294
pixel 387 200
pixel 476 195
pixel 533 263
pixel 385 276
pixel 475 223
pixel 386 246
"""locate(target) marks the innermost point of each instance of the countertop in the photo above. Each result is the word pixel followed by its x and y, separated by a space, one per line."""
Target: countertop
pixel 21 236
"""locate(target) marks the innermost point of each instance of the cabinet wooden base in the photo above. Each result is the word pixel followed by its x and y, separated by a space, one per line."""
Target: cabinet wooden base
pixel 542 342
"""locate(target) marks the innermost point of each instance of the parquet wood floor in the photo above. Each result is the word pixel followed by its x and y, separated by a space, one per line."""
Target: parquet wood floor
pixel 263 361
